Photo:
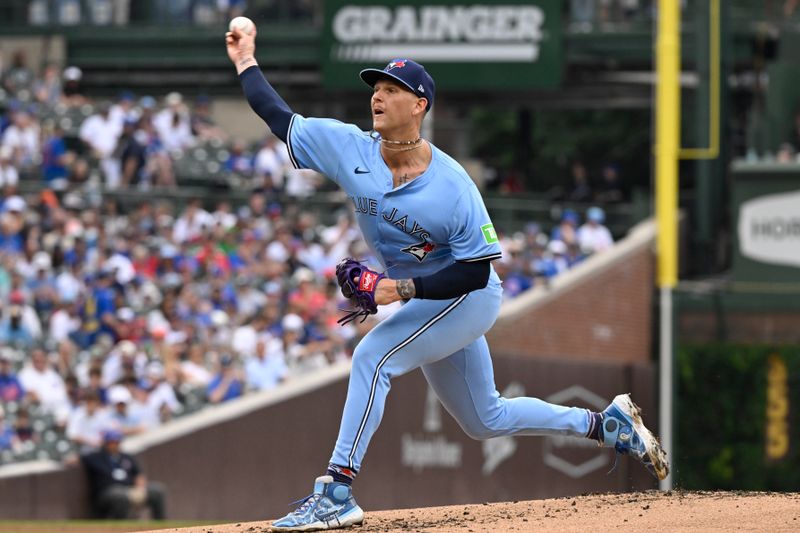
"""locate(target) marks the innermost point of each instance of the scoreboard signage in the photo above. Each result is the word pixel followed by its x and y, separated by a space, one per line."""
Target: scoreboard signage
pixel 769 229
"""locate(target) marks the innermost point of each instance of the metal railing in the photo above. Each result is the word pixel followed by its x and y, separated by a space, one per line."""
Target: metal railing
pixel 510 213
pixel 77 13
pixel 580 15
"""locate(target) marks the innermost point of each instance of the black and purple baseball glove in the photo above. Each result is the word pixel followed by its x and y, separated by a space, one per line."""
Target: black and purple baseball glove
pixel 362 292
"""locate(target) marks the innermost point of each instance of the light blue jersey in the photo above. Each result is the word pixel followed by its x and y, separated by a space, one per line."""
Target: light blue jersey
pixel 415 229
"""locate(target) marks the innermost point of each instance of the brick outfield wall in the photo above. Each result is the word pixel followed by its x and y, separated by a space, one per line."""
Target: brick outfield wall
pixel 249 467
pixel 607 315
pixel 59 494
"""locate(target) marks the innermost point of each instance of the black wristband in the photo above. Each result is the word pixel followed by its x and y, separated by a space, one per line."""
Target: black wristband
pixel 419 292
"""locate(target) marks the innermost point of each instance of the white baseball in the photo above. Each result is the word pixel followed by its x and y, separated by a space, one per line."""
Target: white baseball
pixel 243 24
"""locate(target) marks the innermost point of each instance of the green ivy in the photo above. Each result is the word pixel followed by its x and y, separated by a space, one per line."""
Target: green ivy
pixel 721 418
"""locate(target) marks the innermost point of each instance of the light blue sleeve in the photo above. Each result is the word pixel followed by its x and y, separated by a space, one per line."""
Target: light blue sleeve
pixel 317 143
pixel 472 235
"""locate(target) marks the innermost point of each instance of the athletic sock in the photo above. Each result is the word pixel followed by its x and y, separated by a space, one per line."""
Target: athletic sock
pixel 595 427
pixel 341 474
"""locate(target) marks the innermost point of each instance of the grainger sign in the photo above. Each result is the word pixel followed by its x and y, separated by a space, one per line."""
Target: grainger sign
pixel 466 34
pixel 506 44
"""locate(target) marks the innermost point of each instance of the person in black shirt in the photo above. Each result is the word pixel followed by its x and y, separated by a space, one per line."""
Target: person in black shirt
pixel 117 483
pixel 132 153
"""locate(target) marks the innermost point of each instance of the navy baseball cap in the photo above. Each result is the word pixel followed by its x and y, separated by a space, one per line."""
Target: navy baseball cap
pixel 112 435
pixel 409 73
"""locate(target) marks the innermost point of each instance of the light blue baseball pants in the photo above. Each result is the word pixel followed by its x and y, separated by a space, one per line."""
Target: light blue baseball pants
pixel 445 338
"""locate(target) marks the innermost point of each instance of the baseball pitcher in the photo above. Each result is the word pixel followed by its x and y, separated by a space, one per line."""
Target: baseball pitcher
pixel 426 222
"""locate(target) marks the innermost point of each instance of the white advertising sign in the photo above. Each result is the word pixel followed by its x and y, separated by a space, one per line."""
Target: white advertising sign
pixel 769 229
pixel 479 33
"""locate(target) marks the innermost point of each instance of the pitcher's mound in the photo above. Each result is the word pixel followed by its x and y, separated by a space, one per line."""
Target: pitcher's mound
pixel 641 511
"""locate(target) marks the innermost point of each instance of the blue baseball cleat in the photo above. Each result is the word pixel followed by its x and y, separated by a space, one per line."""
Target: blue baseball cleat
pixel 624 430
pixel 331 506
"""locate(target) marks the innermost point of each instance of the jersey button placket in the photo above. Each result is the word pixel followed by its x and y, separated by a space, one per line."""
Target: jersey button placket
pixel 380 242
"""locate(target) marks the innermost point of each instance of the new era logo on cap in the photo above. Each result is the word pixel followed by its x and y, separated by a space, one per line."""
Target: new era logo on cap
pixel 407 72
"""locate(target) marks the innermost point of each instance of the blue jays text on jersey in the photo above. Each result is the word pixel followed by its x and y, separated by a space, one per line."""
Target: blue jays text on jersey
pixel 369 206
pixel 418 250
pixel 410 227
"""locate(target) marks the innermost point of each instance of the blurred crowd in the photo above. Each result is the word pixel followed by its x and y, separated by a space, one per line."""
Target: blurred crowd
pixel 584 15
pixel 121 319
pixel 126 320
pixel 534 256
pixel 125 12
pixel 51 130
pixel 590 15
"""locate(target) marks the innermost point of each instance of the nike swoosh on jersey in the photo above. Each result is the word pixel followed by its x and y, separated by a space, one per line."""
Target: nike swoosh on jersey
pixel 359 170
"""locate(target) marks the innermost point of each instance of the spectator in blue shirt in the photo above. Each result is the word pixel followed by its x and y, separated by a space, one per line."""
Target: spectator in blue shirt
pixel 574 255
pixel 8 436
pixel 239 162
pixel 126 415
pixel 567 229
pixel 98 310
pixel 42 286
pixel 515 283
pixel 556 261
pixel 265 370
pixel 12 224
pixel 12 329
pixel 226 384
pixel 55 159
pixel 10 388
pixel 132 154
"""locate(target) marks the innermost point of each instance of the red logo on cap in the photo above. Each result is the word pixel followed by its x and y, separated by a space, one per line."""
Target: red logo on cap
pixel 397 63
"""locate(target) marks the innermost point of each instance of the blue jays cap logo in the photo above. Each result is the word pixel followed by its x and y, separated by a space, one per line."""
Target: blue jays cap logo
pixel 406 72
pixel 397 63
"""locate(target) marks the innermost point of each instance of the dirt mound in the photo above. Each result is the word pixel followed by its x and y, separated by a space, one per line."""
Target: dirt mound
pixel 657 511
